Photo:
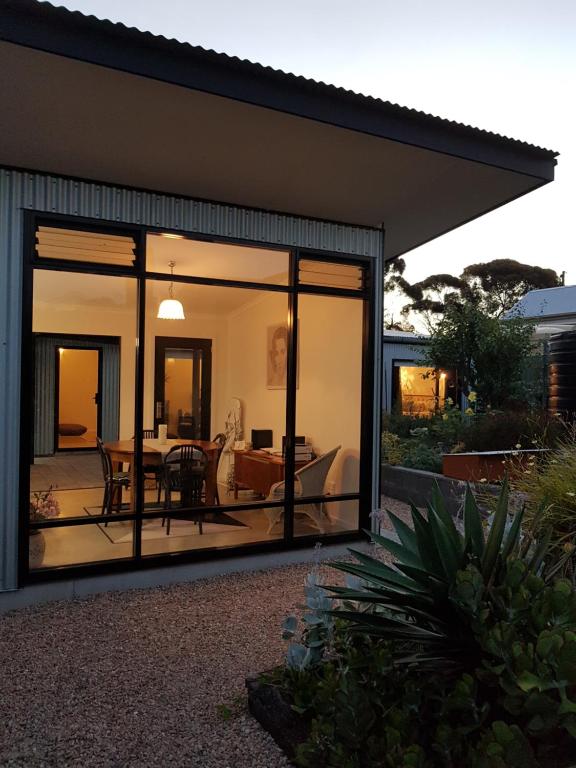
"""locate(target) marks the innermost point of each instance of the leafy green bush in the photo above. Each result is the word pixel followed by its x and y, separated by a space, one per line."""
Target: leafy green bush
pixel 503 430
pixel 393 450
pixel 548 485
pixel 423 457
pixel 459 655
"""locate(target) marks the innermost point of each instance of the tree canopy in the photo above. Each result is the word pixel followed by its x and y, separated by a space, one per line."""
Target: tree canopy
pixel 488 354
pixel 494 287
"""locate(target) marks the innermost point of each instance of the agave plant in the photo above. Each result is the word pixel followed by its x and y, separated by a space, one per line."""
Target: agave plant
pixel 427 600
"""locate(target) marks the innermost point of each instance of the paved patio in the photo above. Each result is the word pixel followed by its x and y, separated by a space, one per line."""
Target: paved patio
pixel 146 677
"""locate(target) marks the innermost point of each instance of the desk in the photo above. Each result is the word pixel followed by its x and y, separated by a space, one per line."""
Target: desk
pixel 259 471
pixel 153 452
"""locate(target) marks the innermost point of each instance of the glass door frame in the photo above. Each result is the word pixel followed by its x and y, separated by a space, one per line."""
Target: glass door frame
pixel 141 276
pixel 161 343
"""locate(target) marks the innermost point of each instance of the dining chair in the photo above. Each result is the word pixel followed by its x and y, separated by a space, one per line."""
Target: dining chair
pixel 113 482
pixel 184 473
pixel 309 481
pixel 154 471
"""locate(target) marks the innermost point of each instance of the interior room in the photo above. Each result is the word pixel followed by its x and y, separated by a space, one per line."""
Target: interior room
pixel 215 377
pixel 418 390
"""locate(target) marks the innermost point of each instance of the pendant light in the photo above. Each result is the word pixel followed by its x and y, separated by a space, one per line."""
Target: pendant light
pixel 171 309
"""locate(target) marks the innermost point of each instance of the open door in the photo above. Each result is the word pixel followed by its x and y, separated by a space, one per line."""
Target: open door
pixel 78 417
pixel 182 389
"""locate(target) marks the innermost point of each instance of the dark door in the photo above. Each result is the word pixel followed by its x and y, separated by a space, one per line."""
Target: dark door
pixel 78 415
pixel 182 389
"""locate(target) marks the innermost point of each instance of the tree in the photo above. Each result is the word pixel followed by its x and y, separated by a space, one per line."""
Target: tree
pixel 488 354
pixel 500 283
pixel 494 287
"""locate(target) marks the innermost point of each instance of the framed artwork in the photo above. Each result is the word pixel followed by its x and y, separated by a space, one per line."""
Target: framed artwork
pixel 277 356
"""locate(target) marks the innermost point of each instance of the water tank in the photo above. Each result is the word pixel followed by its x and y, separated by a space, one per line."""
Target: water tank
pixel 562 374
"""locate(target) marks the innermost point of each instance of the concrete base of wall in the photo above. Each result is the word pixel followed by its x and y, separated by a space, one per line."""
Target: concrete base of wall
pixel 157 577
pixel 415 486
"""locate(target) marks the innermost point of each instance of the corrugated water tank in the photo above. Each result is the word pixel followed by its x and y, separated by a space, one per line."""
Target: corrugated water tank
pixel 562 374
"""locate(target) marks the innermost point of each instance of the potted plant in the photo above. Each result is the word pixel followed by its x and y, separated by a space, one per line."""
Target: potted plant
pixel 43 506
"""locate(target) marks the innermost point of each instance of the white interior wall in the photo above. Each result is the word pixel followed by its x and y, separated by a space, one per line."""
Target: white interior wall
pixel 329 380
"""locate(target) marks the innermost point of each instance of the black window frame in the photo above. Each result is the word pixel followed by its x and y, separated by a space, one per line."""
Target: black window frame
pixel 32 219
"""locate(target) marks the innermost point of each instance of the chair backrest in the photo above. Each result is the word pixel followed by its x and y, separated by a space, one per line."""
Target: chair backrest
pixel 104 459
pixel 312 476
pixel 149 434
pixel 185 471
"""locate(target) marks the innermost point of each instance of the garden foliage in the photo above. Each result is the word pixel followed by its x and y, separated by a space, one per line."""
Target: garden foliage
pixel 460 655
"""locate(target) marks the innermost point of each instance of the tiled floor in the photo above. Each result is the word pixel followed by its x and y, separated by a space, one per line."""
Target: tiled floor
pixel 66 471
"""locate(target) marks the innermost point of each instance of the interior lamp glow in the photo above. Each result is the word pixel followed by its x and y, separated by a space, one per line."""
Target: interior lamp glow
pixel 171 309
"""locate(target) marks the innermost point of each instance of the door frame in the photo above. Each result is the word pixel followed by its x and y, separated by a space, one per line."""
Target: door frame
pixel 161 343
pixel 98 394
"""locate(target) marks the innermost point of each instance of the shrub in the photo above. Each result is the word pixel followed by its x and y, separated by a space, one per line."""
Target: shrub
pixel 393 450
pixel 423 457
pixel 500 431
pixel 548 485
pixel 459 655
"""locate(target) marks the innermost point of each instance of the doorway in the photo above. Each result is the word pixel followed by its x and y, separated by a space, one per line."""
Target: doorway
pixel 78 415
pixel 182 386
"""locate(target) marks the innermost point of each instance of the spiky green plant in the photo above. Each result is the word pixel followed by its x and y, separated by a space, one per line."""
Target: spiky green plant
pixel 427 600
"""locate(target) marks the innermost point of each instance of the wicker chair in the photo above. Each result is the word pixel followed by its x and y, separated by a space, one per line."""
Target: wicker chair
pixel 308 482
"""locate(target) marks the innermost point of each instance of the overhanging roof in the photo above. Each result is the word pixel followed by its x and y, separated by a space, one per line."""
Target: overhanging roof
pixel 88 98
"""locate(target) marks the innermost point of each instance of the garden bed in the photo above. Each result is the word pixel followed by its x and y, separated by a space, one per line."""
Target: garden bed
pixel 491 466
pixel 270 707
pixel 414 486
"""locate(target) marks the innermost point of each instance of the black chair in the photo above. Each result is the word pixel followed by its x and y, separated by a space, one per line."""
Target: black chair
pixel 113 482
pixel 220 439
pixel 154 471
pixel 185 473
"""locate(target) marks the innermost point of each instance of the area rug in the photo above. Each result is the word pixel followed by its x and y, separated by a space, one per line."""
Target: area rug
pixel 121 532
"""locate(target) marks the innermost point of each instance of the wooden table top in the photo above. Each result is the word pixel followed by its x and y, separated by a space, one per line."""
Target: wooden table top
pixel 127 446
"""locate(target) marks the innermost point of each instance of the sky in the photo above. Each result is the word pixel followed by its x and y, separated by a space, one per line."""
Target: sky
pixel 507 66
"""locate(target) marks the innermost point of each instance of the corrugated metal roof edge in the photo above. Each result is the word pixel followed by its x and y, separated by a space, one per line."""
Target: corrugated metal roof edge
pixel 254 68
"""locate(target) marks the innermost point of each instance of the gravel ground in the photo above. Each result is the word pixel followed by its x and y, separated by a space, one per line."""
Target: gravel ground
pixel 145 677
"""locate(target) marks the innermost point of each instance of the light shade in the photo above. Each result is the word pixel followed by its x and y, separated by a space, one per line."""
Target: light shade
pixel 170 309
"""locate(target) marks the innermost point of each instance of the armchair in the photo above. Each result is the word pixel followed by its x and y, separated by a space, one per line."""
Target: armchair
pixel 308 482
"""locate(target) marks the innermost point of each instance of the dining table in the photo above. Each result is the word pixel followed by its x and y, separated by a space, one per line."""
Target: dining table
pixel 153 452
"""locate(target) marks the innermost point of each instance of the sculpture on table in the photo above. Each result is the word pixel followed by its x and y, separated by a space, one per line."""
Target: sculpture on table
pixel 233 432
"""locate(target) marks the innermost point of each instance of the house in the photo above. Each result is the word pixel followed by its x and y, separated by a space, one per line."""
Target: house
pixel 192 248
pixel 552 309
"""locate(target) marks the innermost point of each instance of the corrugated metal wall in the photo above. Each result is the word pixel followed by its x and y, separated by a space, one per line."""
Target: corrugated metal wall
pixel 20 191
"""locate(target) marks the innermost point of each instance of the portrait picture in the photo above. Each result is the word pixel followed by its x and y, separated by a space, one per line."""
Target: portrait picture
pixel 277 356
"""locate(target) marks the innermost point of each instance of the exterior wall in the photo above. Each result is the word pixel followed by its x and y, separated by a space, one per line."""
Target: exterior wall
pixel 20 191
pixel 397 348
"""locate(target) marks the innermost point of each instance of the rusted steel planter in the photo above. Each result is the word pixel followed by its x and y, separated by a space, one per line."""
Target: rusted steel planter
pixel 489 466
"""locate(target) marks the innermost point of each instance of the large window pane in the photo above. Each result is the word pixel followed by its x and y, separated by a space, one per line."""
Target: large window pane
pixel 80 544
pixel 84 373
pixel 328 410
pixel 224 261
pixel 207 388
